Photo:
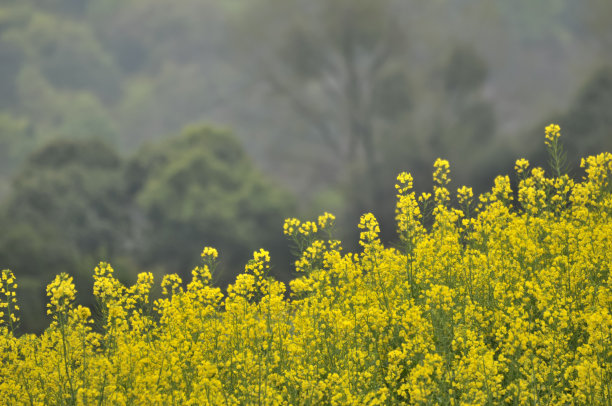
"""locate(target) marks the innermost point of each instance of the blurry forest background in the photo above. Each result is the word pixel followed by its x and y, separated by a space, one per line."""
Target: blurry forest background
pixel 139 131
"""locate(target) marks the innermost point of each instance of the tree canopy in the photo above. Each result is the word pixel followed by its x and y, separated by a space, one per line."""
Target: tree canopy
pixel 200 188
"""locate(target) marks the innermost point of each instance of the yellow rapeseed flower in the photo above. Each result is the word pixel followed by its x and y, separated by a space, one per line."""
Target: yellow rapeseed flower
pixel 552 133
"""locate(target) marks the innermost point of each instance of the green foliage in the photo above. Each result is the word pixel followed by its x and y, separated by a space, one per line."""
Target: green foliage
pixel 74 186
pixel 65 211
pixel 69 55
pixel 15 137
pixel 464 72
pixel 64 153
pixel 12 59
pixel 201 188
pixel 76 202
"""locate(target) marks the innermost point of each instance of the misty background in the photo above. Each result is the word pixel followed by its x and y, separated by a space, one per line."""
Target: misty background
pixel 139 131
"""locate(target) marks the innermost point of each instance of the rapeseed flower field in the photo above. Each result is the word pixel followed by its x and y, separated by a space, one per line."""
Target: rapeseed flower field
pixel 502 298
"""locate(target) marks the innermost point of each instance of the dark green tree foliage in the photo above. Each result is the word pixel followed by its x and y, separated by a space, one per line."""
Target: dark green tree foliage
pixel 70 57
pixel 70 190
pixel 67 210
pixel 75 203
pixel 73 185
pixel 200 189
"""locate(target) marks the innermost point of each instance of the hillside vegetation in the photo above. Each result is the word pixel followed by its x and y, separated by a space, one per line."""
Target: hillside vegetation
pixel 504 298
pixel 134 132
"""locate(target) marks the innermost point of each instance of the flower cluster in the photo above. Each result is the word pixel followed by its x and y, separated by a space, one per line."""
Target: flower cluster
pixel 291 226
pixel 209 252
pixel 61 293
pixel 326 221
pixel 521 167
pixel 552 131
pixel 441 180
pixel 465 195
pixel 508 304
pixel 8 300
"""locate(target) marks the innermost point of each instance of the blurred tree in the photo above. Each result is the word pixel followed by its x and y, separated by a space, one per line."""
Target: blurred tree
pixel 587 124
pixel 74 188
pixel 174 63
pixel 76 8
pixel 595 17
pixel 536 22
pixel 66 211
pixel 54 76
pixel 146 116
pixel 11 57
pixel 145 34
pixel 339 64
pixel 56 113
pixel 198 189
pixel 464 123
pixel 68 55
pixel 15 140
pixel 454 122
pixel 36 252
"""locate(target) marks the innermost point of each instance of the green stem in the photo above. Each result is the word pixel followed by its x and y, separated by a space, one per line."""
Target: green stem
pixel 65 354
